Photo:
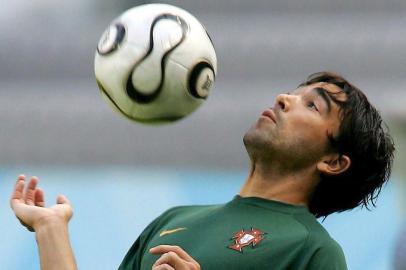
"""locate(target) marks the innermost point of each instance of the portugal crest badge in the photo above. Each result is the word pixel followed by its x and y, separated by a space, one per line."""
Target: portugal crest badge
pixel 245 238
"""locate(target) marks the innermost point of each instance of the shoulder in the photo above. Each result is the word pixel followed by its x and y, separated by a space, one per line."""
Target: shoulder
pixel 317 234
pixel 327 245
pixel 328 255
pixel 323 251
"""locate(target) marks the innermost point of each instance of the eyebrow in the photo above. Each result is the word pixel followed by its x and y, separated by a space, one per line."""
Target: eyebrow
pixel 322 92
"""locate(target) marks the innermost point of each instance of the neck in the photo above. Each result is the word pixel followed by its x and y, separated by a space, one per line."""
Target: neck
pixel 269 182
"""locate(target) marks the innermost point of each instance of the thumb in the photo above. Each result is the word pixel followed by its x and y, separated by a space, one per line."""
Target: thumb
pixel 65 204
pixel 61 199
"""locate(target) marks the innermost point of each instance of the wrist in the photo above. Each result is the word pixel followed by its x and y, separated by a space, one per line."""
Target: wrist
pixel 52 236
pixel 49 222
pixel 49 227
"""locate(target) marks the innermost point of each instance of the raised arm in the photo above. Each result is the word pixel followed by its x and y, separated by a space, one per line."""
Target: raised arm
pixel 49 224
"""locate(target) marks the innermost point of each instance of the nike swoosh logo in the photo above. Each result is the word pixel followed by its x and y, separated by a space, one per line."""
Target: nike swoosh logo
pixel 166 232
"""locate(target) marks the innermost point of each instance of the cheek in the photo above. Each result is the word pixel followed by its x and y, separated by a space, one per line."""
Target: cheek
pixel 306 130
pixel 304 122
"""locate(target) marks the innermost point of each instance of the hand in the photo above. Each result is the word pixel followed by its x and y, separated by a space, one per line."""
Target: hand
pixel 29 206
pixel 173 258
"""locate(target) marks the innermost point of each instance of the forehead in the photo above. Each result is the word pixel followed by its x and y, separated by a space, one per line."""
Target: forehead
pixel 330 88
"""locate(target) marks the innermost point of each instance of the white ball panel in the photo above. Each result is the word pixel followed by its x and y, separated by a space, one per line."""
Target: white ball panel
pixel 173 102
pixel 148 75
pixel 107 42
pixel 141 18
pixel 194 50
pixel 113 71
pixel 196 47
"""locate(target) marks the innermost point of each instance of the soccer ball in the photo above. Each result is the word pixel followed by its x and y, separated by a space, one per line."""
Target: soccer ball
pixel 155 63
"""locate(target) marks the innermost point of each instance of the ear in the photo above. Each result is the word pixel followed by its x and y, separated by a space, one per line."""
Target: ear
pixel 334 164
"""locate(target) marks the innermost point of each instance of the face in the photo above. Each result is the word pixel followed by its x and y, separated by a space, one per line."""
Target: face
pixel 295 130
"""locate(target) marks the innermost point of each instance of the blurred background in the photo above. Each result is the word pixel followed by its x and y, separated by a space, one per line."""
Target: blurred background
pixel 54 123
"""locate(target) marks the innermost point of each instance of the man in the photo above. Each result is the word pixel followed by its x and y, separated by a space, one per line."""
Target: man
pixel 320 149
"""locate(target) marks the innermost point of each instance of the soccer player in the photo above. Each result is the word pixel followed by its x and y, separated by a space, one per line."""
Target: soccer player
pixel 320 149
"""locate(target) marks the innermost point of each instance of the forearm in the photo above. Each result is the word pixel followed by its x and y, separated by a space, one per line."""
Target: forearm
pixel 54 247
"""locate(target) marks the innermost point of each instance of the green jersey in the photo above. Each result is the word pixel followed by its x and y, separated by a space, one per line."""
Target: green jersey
pixel 246 233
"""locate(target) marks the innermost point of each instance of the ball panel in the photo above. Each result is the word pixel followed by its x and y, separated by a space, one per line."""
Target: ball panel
pixel 197 45
pixel 142 17
pixel 174 102
pixel 166 33
pixel 113 71
pixel 111 39
pixel 117 109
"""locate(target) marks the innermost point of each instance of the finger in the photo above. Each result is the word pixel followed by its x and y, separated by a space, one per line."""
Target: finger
pixel 175 261
pixel 39 198
pixel 170 258
pixel 168 248
pixel 163 267
pixel 29 195
pixel 61 199
pixel 18 188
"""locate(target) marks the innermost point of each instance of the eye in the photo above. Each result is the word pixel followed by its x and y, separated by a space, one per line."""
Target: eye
pixel 312 105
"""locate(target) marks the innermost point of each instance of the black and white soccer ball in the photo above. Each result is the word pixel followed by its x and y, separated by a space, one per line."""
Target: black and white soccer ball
pixel 155 63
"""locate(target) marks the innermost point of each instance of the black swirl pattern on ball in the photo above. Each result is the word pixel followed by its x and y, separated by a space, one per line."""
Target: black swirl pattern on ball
pixel 119 37
pixel 132 92
pixel 159 120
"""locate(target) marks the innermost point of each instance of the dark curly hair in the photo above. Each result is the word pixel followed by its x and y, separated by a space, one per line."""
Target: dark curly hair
pixel 365 139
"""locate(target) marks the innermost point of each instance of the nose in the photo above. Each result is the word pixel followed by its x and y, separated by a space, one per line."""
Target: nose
pixel 283 101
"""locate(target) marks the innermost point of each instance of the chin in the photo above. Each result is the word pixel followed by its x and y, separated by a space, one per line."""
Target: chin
pixel 256 142
pixel 250 136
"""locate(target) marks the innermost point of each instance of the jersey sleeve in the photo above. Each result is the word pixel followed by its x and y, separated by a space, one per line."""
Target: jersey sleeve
pixel 328 257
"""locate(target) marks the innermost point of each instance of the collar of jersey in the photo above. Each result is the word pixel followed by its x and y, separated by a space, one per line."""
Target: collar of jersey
pixel 270 204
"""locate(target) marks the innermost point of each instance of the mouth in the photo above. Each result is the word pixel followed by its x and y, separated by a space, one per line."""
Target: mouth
pixel 269 113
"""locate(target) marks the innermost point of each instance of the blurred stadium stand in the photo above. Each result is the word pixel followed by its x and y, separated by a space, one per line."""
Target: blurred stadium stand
pixel 48 91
